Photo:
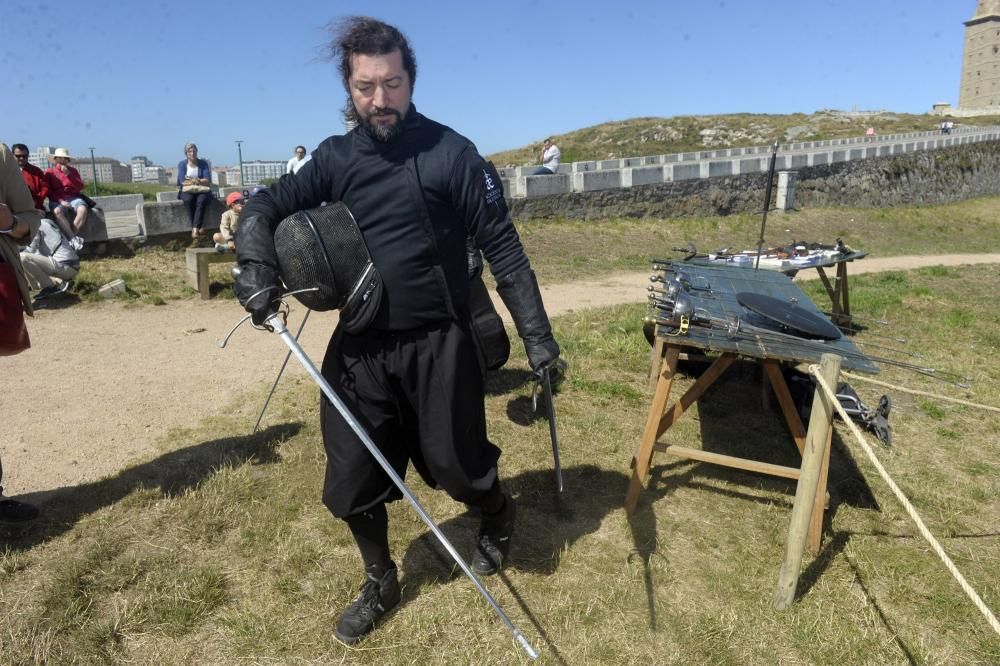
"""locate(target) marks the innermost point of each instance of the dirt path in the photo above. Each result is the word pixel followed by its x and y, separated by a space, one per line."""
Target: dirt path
pixel 102 386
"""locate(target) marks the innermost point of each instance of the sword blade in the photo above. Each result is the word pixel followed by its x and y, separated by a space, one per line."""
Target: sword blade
pixel 547 382
pixel 293 345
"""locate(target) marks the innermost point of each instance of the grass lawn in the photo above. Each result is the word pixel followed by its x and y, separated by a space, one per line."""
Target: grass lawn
pixel 219 550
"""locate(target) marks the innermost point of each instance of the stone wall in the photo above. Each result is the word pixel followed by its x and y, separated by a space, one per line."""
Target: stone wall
pixel 928 177
pixel 170 217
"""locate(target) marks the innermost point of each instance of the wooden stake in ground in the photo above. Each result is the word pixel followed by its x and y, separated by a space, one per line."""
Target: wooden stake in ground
pixel 817 441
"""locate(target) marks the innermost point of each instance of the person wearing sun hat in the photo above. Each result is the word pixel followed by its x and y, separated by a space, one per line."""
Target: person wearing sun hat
pixel 225 237
pixel 65 188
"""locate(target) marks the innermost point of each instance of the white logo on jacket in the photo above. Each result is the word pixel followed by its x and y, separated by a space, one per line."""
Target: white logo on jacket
pixel 493 193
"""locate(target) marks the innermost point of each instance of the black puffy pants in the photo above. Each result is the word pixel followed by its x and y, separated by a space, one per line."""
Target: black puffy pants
pixel 419 395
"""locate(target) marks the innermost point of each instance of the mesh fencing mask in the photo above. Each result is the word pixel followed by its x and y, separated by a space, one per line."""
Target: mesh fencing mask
pixel 322 248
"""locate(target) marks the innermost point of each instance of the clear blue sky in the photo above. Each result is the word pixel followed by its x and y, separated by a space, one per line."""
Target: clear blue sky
pixel 149 76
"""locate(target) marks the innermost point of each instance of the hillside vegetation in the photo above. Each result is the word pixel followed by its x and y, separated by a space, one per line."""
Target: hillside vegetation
pixel 656 136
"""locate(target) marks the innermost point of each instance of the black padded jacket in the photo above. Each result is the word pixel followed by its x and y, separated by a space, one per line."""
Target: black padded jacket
pixel 415 199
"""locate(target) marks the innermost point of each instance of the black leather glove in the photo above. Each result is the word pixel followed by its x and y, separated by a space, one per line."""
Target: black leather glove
pixel 257 287
pixel 519 292
pixel 475 258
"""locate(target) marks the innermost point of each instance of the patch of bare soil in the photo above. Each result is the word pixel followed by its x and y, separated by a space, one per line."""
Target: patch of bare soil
pixel 103 386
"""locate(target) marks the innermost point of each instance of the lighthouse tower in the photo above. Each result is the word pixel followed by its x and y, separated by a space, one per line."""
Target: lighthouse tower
pixel 980 88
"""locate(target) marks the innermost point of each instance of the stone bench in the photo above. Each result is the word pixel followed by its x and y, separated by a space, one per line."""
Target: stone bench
pixel 170 217
pixel 197 260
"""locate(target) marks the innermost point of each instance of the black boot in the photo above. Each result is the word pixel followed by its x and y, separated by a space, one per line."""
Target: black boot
pixel 379 595
pixel 493 542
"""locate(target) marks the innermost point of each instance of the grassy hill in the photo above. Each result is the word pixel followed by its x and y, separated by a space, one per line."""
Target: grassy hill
pixel 655 136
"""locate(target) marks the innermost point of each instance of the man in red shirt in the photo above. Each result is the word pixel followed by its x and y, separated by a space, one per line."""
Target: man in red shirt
pixel 65 186
pixel 32 175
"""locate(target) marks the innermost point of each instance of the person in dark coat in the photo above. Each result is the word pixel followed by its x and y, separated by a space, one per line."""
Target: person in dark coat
pixel 409 372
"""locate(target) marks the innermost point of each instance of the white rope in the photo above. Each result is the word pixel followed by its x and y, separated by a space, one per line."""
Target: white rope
pixel 923 393
pixel 990 617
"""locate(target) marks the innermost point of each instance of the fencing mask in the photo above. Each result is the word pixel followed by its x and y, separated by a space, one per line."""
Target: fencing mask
pixel 322 248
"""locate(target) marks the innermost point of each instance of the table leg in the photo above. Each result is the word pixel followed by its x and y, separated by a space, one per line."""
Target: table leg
pixel 844 294
pixel 831 292
pixel 788 409
pixel 661 417
pixel 643 457
pixel 655 358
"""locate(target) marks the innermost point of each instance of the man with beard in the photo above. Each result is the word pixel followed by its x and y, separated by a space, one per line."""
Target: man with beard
pixel 417 190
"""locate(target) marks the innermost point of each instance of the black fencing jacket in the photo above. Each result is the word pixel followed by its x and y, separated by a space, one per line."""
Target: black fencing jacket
pixel 415 200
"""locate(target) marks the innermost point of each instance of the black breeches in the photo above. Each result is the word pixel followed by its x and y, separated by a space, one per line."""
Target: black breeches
pixel 419 395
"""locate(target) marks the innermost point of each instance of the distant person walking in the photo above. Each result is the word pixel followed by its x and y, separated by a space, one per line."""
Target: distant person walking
pixel 870 134
pixel 194 180
pixel 298 161
pixel 550 159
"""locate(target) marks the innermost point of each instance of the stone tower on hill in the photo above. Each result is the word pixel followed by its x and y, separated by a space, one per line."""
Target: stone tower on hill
pixel 980 88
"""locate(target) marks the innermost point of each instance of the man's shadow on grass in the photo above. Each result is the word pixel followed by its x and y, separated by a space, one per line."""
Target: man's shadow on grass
pixel 547 524
pixel 521 384
pixel 171 473
pixel 507 380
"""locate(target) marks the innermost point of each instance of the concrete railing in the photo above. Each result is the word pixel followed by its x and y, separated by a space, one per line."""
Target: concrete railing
pixel 588 176
pixel 168 215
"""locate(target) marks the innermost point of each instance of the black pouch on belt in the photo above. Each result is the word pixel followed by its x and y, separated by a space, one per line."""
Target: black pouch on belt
pixel 492 342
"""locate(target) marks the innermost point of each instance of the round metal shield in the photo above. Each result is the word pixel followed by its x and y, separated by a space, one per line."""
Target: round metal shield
pixel 801 322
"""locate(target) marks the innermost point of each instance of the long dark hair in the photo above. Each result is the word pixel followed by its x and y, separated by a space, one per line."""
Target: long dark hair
pixel 364 35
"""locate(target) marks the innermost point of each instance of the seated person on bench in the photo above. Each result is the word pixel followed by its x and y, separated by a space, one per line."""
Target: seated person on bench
pixel 65 188
pixel 225 237
pixel 50 254
pixel 550 159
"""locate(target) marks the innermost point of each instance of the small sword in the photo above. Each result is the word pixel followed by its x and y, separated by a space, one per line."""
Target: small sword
pixel 546 381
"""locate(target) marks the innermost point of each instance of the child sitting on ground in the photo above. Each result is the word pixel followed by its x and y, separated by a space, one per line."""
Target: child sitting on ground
pixel 225 237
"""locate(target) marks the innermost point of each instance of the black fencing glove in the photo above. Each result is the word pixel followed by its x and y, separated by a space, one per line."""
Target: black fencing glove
pixel 257 287
pixel 519 292
pixel 475 258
